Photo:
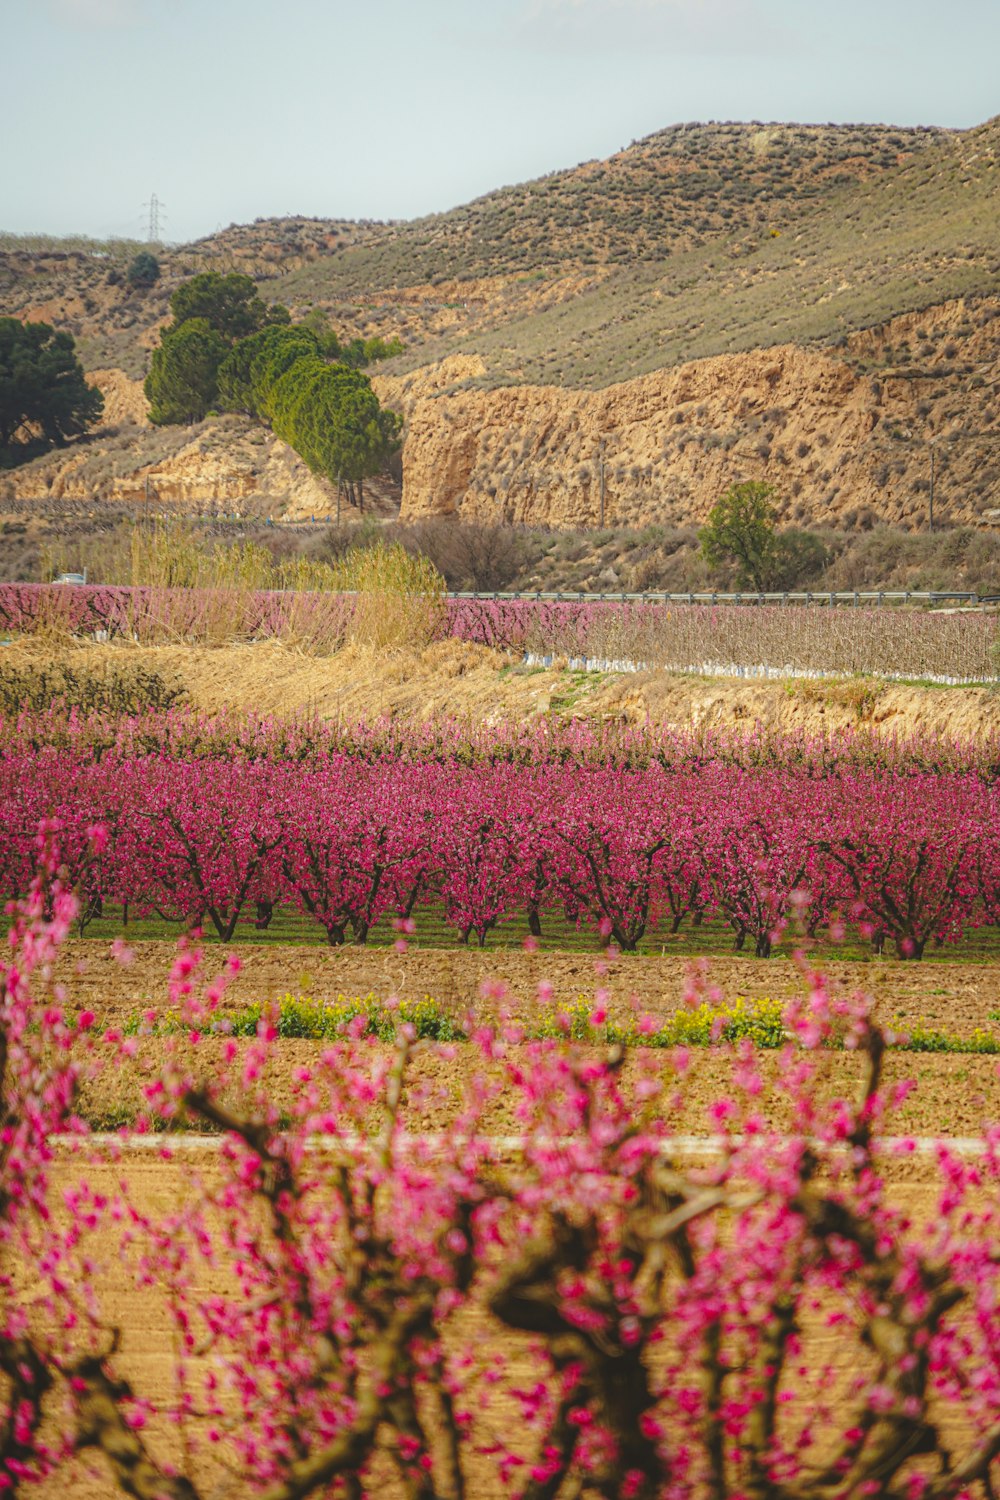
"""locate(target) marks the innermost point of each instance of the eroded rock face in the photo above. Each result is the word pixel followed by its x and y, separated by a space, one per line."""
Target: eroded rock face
pixel 124 399
pixel 844 437
pixel 834 438
pixel 232 466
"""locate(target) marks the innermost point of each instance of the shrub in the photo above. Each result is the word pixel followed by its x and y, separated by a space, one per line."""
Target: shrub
pixel 798 558
pixel 117 687
pixel 143 270
pixel 741 529
pixel 399 597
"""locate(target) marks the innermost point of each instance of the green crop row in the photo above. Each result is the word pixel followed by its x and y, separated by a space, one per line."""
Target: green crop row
pixel 761 1022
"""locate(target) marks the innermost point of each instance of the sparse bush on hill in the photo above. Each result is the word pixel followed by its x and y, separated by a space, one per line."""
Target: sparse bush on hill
pixel 356 352
pixel 143 270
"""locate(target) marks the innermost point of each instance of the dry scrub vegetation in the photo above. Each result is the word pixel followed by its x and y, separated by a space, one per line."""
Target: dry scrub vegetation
pixel 479 686
pixel 696 240
pixel 39 540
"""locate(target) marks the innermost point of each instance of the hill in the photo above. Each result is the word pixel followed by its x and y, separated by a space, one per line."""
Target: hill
pixel 697 241
pixel 870 253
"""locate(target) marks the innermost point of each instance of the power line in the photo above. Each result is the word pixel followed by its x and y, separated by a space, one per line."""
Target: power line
pixel 156 212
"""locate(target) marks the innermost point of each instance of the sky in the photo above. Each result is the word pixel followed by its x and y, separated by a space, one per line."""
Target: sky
pixel 229 110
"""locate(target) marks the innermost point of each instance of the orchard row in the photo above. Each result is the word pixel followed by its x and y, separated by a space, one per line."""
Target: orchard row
pixel 349 843
pixel 184 734
pixel 807 639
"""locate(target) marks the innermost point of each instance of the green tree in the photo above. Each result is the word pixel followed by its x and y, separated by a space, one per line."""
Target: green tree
pixel 229 304
pixel 254 365
pixel 144 270
pixel 331 416
pixel 318 323
pixel 44 395
pixel 376 349
pixel 182 384
pixel 357 352
pixel 741 529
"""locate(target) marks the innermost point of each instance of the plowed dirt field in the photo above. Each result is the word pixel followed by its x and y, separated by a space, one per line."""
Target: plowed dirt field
pixel 952 996
pixel 148 1344
pixel 956 1096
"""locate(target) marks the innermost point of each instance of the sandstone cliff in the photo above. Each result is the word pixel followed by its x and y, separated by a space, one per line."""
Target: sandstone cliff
pixel 840 434
pixel 124 399
pixel 224 465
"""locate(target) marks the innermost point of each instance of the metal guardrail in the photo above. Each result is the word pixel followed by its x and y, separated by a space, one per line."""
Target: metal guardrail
pixel 815 596
pixel 580 596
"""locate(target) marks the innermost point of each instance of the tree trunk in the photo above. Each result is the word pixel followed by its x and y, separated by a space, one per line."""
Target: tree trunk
pixel 406 910
pixel 910 947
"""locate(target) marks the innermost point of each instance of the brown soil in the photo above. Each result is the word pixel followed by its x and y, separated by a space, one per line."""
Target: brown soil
pixel 957 997
pixel 147 1344
pixel 452 678
pixel 955 1095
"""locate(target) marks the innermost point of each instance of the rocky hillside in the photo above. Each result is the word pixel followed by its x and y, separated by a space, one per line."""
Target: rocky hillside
pixel 845 436
pixel 812 305
pixel 224 466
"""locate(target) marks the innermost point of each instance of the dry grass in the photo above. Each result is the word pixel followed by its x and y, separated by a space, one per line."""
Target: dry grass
pixel 450 679
pixel 703 244
pixel 398 597
pixel 176 586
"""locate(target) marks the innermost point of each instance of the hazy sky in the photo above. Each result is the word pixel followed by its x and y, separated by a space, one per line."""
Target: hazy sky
pixel 231 109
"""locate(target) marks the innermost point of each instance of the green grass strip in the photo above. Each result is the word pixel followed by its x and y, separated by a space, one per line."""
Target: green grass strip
pixel 760 1022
